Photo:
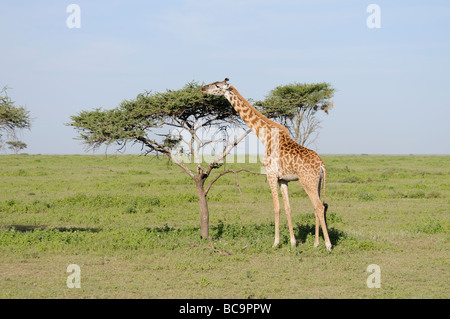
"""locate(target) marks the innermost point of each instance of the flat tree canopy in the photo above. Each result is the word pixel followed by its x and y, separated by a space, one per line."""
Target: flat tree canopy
pixel 16 146
pixel 135 120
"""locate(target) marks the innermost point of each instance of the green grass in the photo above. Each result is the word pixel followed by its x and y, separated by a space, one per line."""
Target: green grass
pixel 132 225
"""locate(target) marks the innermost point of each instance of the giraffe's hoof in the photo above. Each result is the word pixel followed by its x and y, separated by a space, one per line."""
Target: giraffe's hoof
pixel 328 245
pixel 275 244
pixel 316 244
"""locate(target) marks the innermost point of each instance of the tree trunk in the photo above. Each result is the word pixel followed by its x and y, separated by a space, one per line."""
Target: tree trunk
pixel 204 213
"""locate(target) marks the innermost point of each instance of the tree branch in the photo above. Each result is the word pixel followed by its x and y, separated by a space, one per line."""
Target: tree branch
pixel 153 145
pixel 226 151
pixel 235 172
pixel 181 164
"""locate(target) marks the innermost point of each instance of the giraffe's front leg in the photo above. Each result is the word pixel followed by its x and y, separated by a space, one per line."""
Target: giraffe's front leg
pixel 287 208
pixel 273 183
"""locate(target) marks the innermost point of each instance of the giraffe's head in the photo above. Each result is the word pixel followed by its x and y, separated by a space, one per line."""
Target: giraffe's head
pixel 217 88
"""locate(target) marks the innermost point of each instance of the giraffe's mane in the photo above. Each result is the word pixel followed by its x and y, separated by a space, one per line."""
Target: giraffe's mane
pixel 259 114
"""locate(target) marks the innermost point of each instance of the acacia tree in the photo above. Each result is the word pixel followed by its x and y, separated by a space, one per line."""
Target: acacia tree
pixel 187 113
pixel 16 146
pixel 296 105
pixel 11 117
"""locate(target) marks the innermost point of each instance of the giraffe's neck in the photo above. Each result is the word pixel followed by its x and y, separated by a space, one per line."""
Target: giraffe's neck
pixel 263 127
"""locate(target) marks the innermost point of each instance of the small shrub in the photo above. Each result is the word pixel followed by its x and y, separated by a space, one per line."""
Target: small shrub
pixel 22 172
pixel 333 218
pixel 11 202
pixel 415 194
pixel 429 226
pixel 151 201
pixel 350 179
pixel 366 196
pixel 131 210
pixel 433 194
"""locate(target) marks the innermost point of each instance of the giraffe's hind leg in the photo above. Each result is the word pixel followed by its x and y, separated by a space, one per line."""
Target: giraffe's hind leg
pixel 319 211
pixel 316 238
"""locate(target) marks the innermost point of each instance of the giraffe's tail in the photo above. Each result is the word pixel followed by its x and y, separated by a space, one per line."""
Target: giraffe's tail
pixel 322 181
pixel 322 185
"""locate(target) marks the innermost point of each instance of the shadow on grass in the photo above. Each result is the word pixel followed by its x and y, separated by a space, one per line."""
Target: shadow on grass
pixel 166 229
pixel 302 231
pixel 31 228
pixel 251 232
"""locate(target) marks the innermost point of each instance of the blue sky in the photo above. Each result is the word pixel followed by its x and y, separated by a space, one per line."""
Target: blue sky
pixel 391 83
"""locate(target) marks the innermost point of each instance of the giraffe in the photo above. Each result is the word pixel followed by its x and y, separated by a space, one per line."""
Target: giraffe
pixel 284 161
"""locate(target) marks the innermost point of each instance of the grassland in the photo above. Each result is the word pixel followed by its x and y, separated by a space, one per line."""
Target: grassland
pixel 132 225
